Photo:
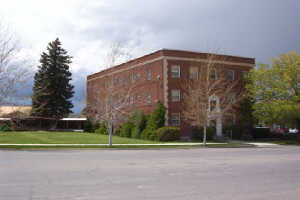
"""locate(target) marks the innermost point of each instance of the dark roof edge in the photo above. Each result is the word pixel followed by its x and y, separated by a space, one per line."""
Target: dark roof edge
pixel 162 50
pixel 125 62
pixel 199 52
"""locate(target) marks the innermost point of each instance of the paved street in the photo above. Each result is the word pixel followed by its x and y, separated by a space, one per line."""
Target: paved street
pixel 241 173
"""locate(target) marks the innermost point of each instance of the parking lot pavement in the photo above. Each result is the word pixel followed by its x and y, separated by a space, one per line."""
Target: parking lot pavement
pixel 229 173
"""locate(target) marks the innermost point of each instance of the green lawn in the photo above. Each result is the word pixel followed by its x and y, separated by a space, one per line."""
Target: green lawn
pixel 284 142
pixel 44 137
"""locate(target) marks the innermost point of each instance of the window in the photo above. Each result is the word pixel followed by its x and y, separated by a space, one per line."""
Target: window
pixel 148 74
pixel 231 98
pixel 148 97
pixel 194 73
pixel 110 83
pixel 175 71
pixel 230 119
pixel 212 105
pixel 230 75
pixel 138 97
pixel 213 74
pixel 245 74
pixel 175 119
pixel 233 119
pixel 175 95
pixel 138 76
pixel 124 80
pixel 131 99
pixel 132 78
pixel 116 81
pixel 212 123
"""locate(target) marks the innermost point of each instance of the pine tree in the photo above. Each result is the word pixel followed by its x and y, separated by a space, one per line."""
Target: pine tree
pixel 52 90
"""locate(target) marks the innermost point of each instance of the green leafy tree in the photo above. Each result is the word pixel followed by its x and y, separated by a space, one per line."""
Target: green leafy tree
pixel 52 90
pixel 246 108
pixel 276 90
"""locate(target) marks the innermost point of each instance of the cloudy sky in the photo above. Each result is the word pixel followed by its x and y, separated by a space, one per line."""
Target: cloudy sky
pixel 88 28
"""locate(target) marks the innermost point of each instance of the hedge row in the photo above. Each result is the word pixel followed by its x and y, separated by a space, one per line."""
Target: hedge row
pixel 5 127
pixel 141 126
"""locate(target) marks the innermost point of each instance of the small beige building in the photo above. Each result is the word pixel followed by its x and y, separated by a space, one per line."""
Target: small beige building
pixel 6 110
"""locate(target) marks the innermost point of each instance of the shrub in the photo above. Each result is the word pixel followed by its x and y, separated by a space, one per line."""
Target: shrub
pixel 157 118
pixel 155 121
pixel 247 137
pixel 197 133
pixel 258 133
pixel 139 120
pixel 149 134
pixel 117 131
pixel 102 129
pixel 126 129
pixel 168 133
pixel 136 133
pixel 234 130
pixel 87 126
pixel 5 127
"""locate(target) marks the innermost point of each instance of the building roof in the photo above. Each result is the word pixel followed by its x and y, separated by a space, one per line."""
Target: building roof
pixel 4 110
pixel 74 119
pixel 178 53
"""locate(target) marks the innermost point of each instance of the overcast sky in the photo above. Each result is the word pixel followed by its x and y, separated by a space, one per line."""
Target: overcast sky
pixel 87 28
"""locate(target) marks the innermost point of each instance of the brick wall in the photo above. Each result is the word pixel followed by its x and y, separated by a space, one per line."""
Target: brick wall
pixel 161 84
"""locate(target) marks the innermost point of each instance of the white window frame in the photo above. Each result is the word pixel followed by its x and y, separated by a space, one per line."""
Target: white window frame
pixel 227 75
pixel 177 120
pixel 138 76
pixel 131 99
pixel 148 97
pixel 191 74
pixel 175 71
pixel 175 94
pixel 217 106
pixel 215 73
pixel 132 78
pixel 138 97
pixel 148 74
pixel 231 98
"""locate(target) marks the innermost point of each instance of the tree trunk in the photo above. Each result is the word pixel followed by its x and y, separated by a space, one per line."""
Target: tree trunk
pixel 110 136
pixel 204 135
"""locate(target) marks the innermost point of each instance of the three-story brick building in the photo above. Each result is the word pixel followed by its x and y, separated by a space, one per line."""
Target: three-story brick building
pixel 158 77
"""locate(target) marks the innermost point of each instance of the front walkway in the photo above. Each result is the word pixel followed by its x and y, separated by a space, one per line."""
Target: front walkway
pixel 162 144
pixel 256 144
pixel 264 144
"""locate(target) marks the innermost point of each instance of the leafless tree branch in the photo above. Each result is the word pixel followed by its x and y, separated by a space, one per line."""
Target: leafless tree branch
pixel 13 71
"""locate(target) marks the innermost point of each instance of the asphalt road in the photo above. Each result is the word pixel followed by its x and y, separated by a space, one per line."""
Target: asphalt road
pixel 245 173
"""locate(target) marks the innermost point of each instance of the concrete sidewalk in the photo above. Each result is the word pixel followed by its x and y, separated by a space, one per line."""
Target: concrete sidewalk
pixel 264 144
pixel 158 144
pixel 256 144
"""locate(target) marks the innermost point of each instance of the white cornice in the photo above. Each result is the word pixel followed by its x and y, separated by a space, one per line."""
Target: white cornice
pixel 171 58
pixel 205 61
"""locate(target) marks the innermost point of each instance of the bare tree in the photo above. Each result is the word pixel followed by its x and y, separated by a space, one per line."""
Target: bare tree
pixel 13 72
pixel 212 95
pixel 111 104
pixel 118 52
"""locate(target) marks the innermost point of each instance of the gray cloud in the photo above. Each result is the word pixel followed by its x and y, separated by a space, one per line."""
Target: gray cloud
pixel 257 28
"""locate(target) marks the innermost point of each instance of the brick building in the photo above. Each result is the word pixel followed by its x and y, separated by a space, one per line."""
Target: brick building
pixel 158 77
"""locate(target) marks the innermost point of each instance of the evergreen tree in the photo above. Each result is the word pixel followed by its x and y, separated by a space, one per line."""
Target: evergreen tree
pixel 155 121
pixel 52 89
